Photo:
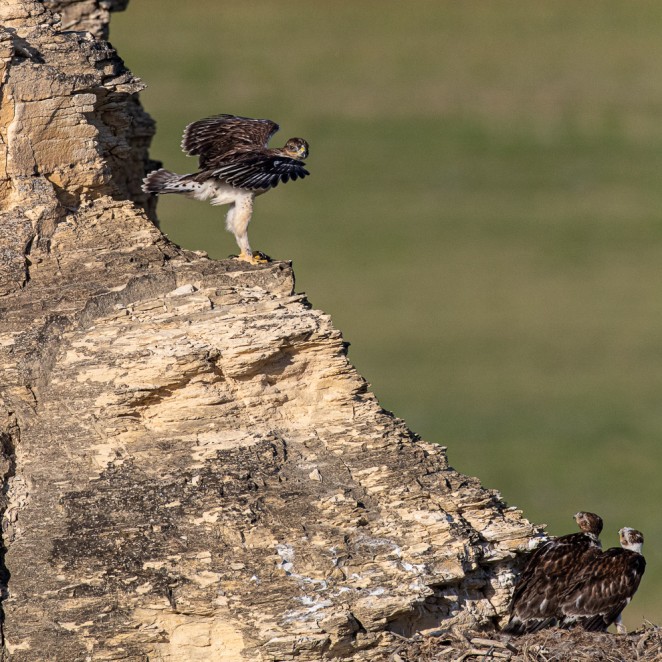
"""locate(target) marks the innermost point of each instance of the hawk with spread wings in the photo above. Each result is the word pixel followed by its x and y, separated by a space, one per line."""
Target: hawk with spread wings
pixel 235 166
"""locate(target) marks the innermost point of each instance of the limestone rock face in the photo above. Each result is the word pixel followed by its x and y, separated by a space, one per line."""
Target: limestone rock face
pixel 86 15
pixel 192 468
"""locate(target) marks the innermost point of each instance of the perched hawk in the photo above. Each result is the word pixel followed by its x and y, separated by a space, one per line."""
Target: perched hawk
pixel 235 165
pixel 547 573
pixel 596 597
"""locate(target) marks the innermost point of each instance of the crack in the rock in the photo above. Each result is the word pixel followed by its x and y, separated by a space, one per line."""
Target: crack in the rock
pixel 28 263
pixel 8 442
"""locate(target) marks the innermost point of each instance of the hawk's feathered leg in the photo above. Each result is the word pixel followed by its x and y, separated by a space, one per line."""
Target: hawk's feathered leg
pixel 236 221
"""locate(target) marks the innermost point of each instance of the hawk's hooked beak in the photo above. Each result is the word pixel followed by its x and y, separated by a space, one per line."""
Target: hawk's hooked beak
pixel 302 152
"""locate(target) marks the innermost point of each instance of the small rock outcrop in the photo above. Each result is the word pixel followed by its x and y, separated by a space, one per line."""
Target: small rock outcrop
pixel 192 468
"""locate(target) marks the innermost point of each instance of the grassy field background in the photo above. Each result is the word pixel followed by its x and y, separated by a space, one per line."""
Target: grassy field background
pixel 483 220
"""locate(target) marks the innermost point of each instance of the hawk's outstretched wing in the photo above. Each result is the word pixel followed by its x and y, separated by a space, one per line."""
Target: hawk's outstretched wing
pixel 256 171
pixel 217 139
pixel 234 150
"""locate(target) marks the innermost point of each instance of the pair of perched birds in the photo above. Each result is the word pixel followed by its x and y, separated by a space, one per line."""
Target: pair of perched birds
pixel 570 581
pixel 235 165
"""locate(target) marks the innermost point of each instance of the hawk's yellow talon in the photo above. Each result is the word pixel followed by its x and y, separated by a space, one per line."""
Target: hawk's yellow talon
pixel 258 257
pixel 261 258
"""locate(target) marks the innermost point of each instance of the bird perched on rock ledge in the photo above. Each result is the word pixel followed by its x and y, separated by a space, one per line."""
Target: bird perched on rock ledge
pixel 235 166
pixel 547 573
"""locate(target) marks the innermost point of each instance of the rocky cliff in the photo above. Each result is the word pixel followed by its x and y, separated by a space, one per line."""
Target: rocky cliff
pixel 192 468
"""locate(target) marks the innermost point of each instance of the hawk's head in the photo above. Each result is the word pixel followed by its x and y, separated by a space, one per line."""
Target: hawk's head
pixel 296 148
pixel 589 523
pixel 631 539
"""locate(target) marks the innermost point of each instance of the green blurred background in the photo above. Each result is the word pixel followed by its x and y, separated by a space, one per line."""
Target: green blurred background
pixel 483 220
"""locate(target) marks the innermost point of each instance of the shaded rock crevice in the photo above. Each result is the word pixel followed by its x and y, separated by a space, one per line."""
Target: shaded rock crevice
pixel 9 439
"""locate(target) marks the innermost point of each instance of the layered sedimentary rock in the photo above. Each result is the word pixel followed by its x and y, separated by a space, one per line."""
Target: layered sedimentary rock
pixel 192 468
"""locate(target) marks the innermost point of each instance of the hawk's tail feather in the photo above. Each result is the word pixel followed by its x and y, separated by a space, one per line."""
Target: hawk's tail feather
pixel 164 181
pixel 596 623
pixel 517 626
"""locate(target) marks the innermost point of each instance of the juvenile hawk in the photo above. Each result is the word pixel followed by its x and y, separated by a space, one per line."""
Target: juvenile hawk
pixel 597 596
pixel 235 165
pixel 535 604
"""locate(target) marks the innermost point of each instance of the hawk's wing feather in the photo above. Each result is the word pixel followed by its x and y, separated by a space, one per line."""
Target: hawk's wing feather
pixel 550 562
pixel 215 138
pixel 599 594
pixel 541 584
pixel 258 171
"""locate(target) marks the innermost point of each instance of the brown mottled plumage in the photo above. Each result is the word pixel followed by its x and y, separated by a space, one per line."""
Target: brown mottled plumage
pixel 235 150
pixel 235 166
pixel 535 601
pixel 595 597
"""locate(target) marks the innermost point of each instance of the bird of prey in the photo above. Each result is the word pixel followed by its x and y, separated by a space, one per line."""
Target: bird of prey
pixel 597 595
pixel 235 166
pixel 545 577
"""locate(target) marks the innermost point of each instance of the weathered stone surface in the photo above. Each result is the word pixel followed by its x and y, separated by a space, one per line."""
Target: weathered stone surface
pixel 193 470
pixel 86 15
